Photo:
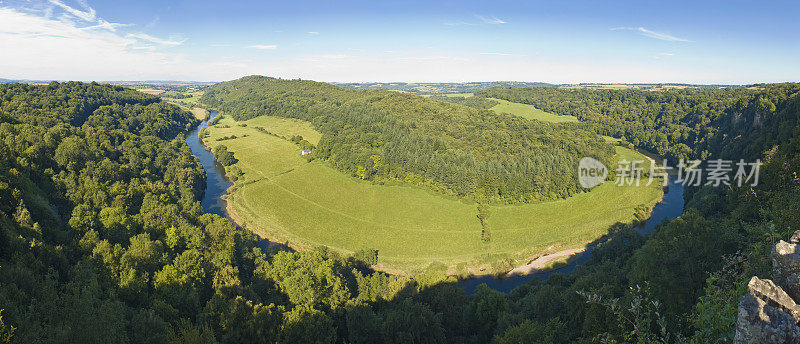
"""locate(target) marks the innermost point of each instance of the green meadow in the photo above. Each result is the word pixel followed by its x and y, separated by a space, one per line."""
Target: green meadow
pixel 529 112
pixel 288 199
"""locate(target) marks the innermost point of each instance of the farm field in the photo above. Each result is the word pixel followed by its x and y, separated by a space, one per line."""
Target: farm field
pixel 152 91
pixel 529 112
pixel 283 197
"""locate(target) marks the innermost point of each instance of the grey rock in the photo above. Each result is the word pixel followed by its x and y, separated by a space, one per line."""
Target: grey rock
pixel 769 312
pixel 795 238
pixel 760 323
pixel 773 295
pixel 786 267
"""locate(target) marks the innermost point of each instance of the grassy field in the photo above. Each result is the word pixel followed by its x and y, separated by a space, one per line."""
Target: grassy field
pixel 199 113
pixel 529 112
pixel 465 95
pixel 152 91
pixel 287 199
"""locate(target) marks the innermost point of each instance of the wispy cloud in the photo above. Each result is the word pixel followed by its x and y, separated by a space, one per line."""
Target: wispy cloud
pixel 481 20
pixel 88 14
pixel 660 55
pixel 313 33
pixel 431 58
pixel 102 24
pixel 460 23
pixel 35 46
pixel 490 20
pixel 324 57
pixel 652 34
pixel 144 47
pixel 148 38
pixel 263 47
pixel 498 54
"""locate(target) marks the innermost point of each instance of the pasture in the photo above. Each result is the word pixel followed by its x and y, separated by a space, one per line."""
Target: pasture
pixel 529 112
pixel 283 197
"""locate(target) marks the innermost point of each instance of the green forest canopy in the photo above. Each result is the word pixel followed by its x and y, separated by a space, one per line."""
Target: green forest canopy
pixel 382 135
pixel 102 241
pixel 674 123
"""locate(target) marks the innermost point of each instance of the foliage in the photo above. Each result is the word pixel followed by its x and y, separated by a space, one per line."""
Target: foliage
pixel 675 123
pixel 223 156
pixel 449 148
pixel 102 240
pixel 475 102
pixel 307 204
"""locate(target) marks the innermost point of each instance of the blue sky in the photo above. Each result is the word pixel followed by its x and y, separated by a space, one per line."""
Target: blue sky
pixel 422 41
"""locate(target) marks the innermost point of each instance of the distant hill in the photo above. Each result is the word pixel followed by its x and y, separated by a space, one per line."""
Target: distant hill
pixel 439 88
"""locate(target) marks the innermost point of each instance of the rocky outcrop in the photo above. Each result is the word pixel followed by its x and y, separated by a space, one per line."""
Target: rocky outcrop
pixel 769 312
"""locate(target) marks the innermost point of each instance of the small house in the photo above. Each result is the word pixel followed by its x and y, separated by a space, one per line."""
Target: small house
pixel 306 152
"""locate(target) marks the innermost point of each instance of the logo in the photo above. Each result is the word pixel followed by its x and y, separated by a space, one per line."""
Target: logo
pixel 591 172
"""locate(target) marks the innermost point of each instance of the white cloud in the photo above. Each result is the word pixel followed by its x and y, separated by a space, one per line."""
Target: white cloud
pixel 102 24
pixel 491 20
pixel 35 47
pixel 263 47
pixel 313 33
pixel 323 57
pixel 653 34
pixel 88 14
pixel 146 37
pixel 481 20
pixel 498 54
pixel 660 55
pixel 432 58
pixel 460 23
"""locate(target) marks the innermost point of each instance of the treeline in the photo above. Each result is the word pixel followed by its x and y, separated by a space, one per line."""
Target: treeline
pixel 102 240
pixel 472 101
pixel 675 124
pixel 381 135
pixel 682 283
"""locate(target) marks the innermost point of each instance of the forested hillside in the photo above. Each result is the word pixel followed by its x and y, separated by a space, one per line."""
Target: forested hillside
pixel 475 102
pixel 683 282
pixel 381 135
pixel 674 123
pixel 102 241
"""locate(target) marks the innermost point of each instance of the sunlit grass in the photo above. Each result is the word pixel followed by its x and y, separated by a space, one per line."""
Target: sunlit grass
pixel 307 204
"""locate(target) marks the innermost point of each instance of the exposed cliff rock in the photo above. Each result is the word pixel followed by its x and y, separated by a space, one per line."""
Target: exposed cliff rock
pixel 769 312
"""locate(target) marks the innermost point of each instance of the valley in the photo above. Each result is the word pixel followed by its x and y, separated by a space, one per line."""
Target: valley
pixel 280 195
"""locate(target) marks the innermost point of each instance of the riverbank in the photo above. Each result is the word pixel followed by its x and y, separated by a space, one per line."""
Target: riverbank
pixel 544 262
pixel 200 113
pixel 557 259
pixel 284 198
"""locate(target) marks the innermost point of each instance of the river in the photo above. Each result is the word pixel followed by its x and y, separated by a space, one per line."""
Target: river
pixel 671 206
pixel 217 186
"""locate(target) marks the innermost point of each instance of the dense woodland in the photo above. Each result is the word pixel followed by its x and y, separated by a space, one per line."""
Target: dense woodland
pixel 475 102
pixel 381 135
pixel 676 123
pixel 102 240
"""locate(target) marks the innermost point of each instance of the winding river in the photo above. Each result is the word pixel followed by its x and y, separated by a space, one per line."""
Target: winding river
pixel 217 185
